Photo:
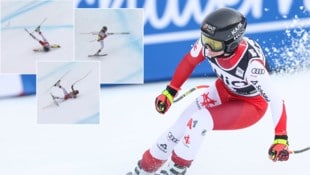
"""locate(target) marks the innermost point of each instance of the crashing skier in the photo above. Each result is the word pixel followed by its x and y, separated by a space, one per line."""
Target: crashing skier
pixel 66 95
pixel 46 46
pixel 238 98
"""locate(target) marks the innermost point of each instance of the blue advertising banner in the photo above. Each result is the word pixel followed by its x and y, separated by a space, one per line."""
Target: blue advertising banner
pixel 13 85
pixel 171 27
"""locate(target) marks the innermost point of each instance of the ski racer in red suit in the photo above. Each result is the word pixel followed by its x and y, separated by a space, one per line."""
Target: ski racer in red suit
pixel 238 98
pixel 67 95
pixel 44 43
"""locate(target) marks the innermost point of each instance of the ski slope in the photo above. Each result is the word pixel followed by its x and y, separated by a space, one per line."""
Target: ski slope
pixel 129 124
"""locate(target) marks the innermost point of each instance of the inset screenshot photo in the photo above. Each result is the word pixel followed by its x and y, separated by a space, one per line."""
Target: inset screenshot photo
pixel 115 38
pixel 35 31
pixel 68 92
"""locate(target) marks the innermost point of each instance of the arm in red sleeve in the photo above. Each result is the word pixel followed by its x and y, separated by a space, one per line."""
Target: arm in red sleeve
pixel 186 66
pixel 280 128
pixel 263 83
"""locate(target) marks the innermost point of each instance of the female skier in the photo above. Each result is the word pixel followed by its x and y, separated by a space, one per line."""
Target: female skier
pixel 44 43
pixel 67 95
pixel 101 36
pixel 238 98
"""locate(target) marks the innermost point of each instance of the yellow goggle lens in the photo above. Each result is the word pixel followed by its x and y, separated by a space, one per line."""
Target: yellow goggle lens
pixel 214 45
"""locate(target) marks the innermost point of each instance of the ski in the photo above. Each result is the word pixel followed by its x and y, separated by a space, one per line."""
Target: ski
pixel 97 55
pixel 55 102
pixel 58 81
pixel 52 103
pixel 30 33
pixel 48 106
pixel 54 46
pixel 27 31
pixel 40 24
pixel 54 99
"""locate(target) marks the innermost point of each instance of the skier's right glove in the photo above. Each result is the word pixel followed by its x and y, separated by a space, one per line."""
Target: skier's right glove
pixel 165 99
pixel 278 151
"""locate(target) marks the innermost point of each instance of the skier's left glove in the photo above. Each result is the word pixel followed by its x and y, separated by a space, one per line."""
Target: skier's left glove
pixel 278 151
pixel 165 99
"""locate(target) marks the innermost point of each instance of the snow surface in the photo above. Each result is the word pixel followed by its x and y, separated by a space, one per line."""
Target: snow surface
pixel 129 124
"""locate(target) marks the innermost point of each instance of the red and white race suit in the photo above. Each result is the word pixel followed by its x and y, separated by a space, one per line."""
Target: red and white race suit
pixel 238 98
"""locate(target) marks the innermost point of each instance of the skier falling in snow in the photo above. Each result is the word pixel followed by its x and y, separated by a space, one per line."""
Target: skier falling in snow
pixel 238 98
pixel 101 36
pixel 67 95
pixel 43 42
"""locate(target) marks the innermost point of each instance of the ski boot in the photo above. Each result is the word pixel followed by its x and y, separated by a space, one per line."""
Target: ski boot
pixel 139 171
pixel 172 169
pixel 97 53
pixel 32 35
pixel 57 84
pixel 37 29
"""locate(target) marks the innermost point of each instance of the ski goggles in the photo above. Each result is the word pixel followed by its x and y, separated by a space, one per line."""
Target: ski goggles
pixel 214 45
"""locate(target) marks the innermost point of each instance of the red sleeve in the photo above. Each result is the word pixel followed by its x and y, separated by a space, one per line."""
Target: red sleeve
pixel 185 69
pixel 280 128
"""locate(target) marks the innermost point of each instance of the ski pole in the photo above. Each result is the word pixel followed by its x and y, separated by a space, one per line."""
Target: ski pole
pixel 190 91
pixel 299 151
pixel 119 33
pixel 82 77
pixel 89 33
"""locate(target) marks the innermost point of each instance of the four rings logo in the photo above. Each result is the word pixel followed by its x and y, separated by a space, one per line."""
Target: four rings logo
pixel 257 71
pixel 172 138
